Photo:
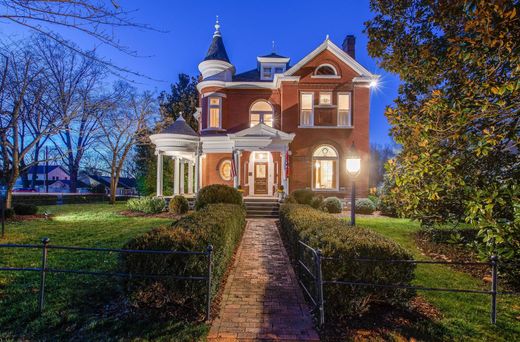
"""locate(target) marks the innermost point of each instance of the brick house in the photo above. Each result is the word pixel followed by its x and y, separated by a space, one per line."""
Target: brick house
pixel 275 125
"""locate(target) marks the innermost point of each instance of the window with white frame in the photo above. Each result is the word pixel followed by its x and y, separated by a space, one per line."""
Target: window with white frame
pixel 344 110
pixel 325 168
pixel 326 70
pixel 306 109
pixel 267 72
pixel 261 112
pixel 326 99
pixel 215 112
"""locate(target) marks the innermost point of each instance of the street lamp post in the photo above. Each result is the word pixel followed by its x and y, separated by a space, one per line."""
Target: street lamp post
pixel 353 167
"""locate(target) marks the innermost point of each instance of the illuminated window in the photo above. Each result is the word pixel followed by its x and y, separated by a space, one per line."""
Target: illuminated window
pixel 261 112
pixel 215 111
pixel 326 99
pixel 307 108
pixel 325 168
pixel 344 111
pixel 225 170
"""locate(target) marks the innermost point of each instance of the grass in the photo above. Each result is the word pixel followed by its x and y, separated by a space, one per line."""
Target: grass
pixel 77 306
pixel 465 316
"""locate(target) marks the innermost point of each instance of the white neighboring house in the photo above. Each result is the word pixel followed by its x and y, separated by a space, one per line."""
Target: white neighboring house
pixel 57 177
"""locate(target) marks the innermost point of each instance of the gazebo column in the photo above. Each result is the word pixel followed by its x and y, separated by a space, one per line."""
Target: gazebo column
pixel 176 176
pixel 197 172
pixel 181 177
pixel 159 174
pixel 235 163
pixel 190 177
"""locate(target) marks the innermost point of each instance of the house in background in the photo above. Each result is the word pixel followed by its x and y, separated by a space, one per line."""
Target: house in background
pixel 58 179
pixel 125 187
pixel 277 125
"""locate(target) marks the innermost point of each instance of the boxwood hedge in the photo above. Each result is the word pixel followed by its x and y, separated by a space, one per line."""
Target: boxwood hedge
pixel 221 225
pixel 337 239
pixel 217 193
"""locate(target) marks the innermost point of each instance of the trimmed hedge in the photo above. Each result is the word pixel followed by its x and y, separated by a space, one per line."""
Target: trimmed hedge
pixel 337 239
pixel 316 202
pixel 221 225
pixel 147 205
pixel 9 213
pixel 178 205
pixel 303 196
pixel 217 193
pixel 365 206
pixel 25 209
pixel 332 205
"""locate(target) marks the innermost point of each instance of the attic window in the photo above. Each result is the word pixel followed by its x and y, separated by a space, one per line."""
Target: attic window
pixel 325 70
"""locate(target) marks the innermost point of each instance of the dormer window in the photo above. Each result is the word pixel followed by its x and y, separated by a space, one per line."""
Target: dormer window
pixel 267 73
pixel 215 112
pixel 326 71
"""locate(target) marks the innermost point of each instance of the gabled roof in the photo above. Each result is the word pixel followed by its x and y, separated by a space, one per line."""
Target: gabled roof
pixel 124 182
pixel 262 131
pixel 179 127
pixel 338 52
pixel 41 168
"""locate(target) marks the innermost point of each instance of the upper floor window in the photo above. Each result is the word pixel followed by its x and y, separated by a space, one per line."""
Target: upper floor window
pixel 326 70
pixel 344 110
pixel 267 73
pixel 215 112
pixel 261 112
pixel 325 99
pixel 269 70
pixel 306 109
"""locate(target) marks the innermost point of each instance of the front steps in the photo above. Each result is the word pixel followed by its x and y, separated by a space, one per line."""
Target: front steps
pixel 262 207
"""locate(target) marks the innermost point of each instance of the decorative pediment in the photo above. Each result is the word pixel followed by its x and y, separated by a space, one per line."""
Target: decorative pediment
pixel 262 131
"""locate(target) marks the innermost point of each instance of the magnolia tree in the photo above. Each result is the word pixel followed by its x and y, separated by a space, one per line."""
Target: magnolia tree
pixel 457 114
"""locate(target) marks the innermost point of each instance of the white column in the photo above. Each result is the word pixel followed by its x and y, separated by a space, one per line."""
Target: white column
pixel 176 176
pixel 197 172
pixel 239 169
pixel 235 179
pixel 190 177
pixel 284 176
pixel 181 177
pixel 159 174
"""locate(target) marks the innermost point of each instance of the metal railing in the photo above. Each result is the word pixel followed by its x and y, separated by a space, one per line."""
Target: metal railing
pixel 316 294
pixel 44 268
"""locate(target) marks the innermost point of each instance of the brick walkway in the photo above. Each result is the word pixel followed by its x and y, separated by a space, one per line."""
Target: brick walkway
pixel 262 299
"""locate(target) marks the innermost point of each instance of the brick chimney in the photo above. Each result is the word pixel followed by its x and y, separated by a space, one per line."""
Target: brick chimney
pixel 349 45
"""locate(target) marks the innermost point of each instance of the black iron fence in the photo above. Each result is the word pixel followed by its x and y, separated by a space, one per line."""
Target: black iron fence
pixel 44 268
pixel 315 291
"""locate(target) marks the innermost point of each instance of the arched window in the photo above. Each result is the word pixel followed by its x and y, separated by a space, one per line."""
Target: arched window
pixel 326 70
pixel 325 168
pixel 261 112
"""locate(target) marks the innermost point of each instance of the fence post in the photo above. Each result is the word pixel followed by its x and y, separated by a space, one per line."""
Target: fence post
pixel 319 288
pixel 494 270
pixel 208 294
pixel 41 303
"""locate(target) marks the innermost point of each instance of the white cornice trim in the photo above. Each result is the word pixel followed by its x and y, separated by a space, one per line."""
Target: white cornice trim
pixel 342 55
pixel 273 60
pixel 274 84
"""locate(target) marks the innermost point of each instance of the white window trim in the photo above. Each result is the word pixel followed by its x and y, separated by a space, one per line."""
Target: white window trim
pixel 312 109
pixel 261 113
pixel 209 127
pixel 337 159
pixel 331 104
pixel 336 74
pixel 349 111
pixel 271 66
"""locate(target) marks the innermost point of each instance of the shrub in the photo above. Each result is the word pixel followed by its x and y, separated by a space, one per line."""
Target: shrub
pixel 374 200
pixel 365 206
pixel 290 199
pixel 337 239
pixel 317 202
pixel 9 213
pixel 303 196
pixel 147 205
pixel 25 209
pixel 221 225
pixel 178 205
pixel 332 205
pixel 217 193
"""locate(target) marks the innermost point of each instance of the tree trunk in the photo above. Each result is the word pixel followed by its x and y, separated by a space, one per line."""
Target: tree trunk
pixel 73 179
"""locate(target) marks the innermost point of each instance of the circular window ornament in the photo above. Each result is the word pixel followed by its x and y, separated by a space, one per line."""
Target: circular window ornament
pixel 225 170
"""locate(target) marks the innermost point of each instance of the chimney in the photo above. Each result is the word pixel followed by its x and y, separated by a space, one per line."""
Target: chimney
pixel 349 45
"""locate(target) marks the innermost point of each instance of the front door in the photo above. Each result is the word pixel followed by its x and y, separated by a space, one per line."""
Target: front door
pixel 260 178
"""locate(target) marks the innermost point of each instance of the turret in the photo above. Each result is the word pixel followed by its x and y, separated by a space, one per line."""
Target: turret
pixel 216 64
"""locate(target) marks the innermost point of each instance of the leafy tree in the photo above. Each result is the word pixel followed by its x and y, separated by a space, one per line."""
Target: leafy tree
pixel 456 115
pixel 183 98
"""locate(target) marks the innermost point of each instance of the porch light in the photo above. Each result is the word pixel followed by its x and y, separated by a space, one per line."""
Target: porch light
pixel 353 168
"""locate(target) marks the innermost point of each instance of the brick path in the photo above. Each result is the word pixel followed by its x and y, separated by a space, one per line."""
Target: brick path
pixel 262 299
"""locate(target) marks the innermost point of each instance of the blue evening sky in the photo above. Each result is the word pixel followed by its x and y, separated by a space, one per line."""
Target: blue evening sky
pixel 248 29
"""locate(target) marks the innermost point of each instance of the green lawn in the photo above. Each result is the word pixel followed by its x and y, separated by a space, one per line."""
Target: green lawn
pixel 465 316
pixel 77 306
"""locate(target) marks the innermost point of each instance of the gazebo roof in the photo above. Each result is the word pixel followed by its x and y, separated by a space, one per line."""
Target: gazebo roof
pixel 179 127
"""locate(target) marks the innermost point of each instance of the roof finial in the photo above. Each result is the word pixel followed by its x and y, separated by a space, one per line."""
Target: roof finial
pixel 327 37
pixel 217 28
pixel 274 49
pixel 180 117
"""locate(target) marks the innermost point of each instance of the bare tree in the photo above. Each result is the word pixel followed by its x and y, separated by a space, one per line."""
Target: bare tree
pixel 97 19
pixel 22 90
pixel 122 125
pixel 74 84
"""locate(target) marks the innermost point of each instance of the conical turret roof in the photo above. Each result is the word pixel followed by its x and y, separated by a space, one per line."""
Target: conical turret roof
pixel 216 50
